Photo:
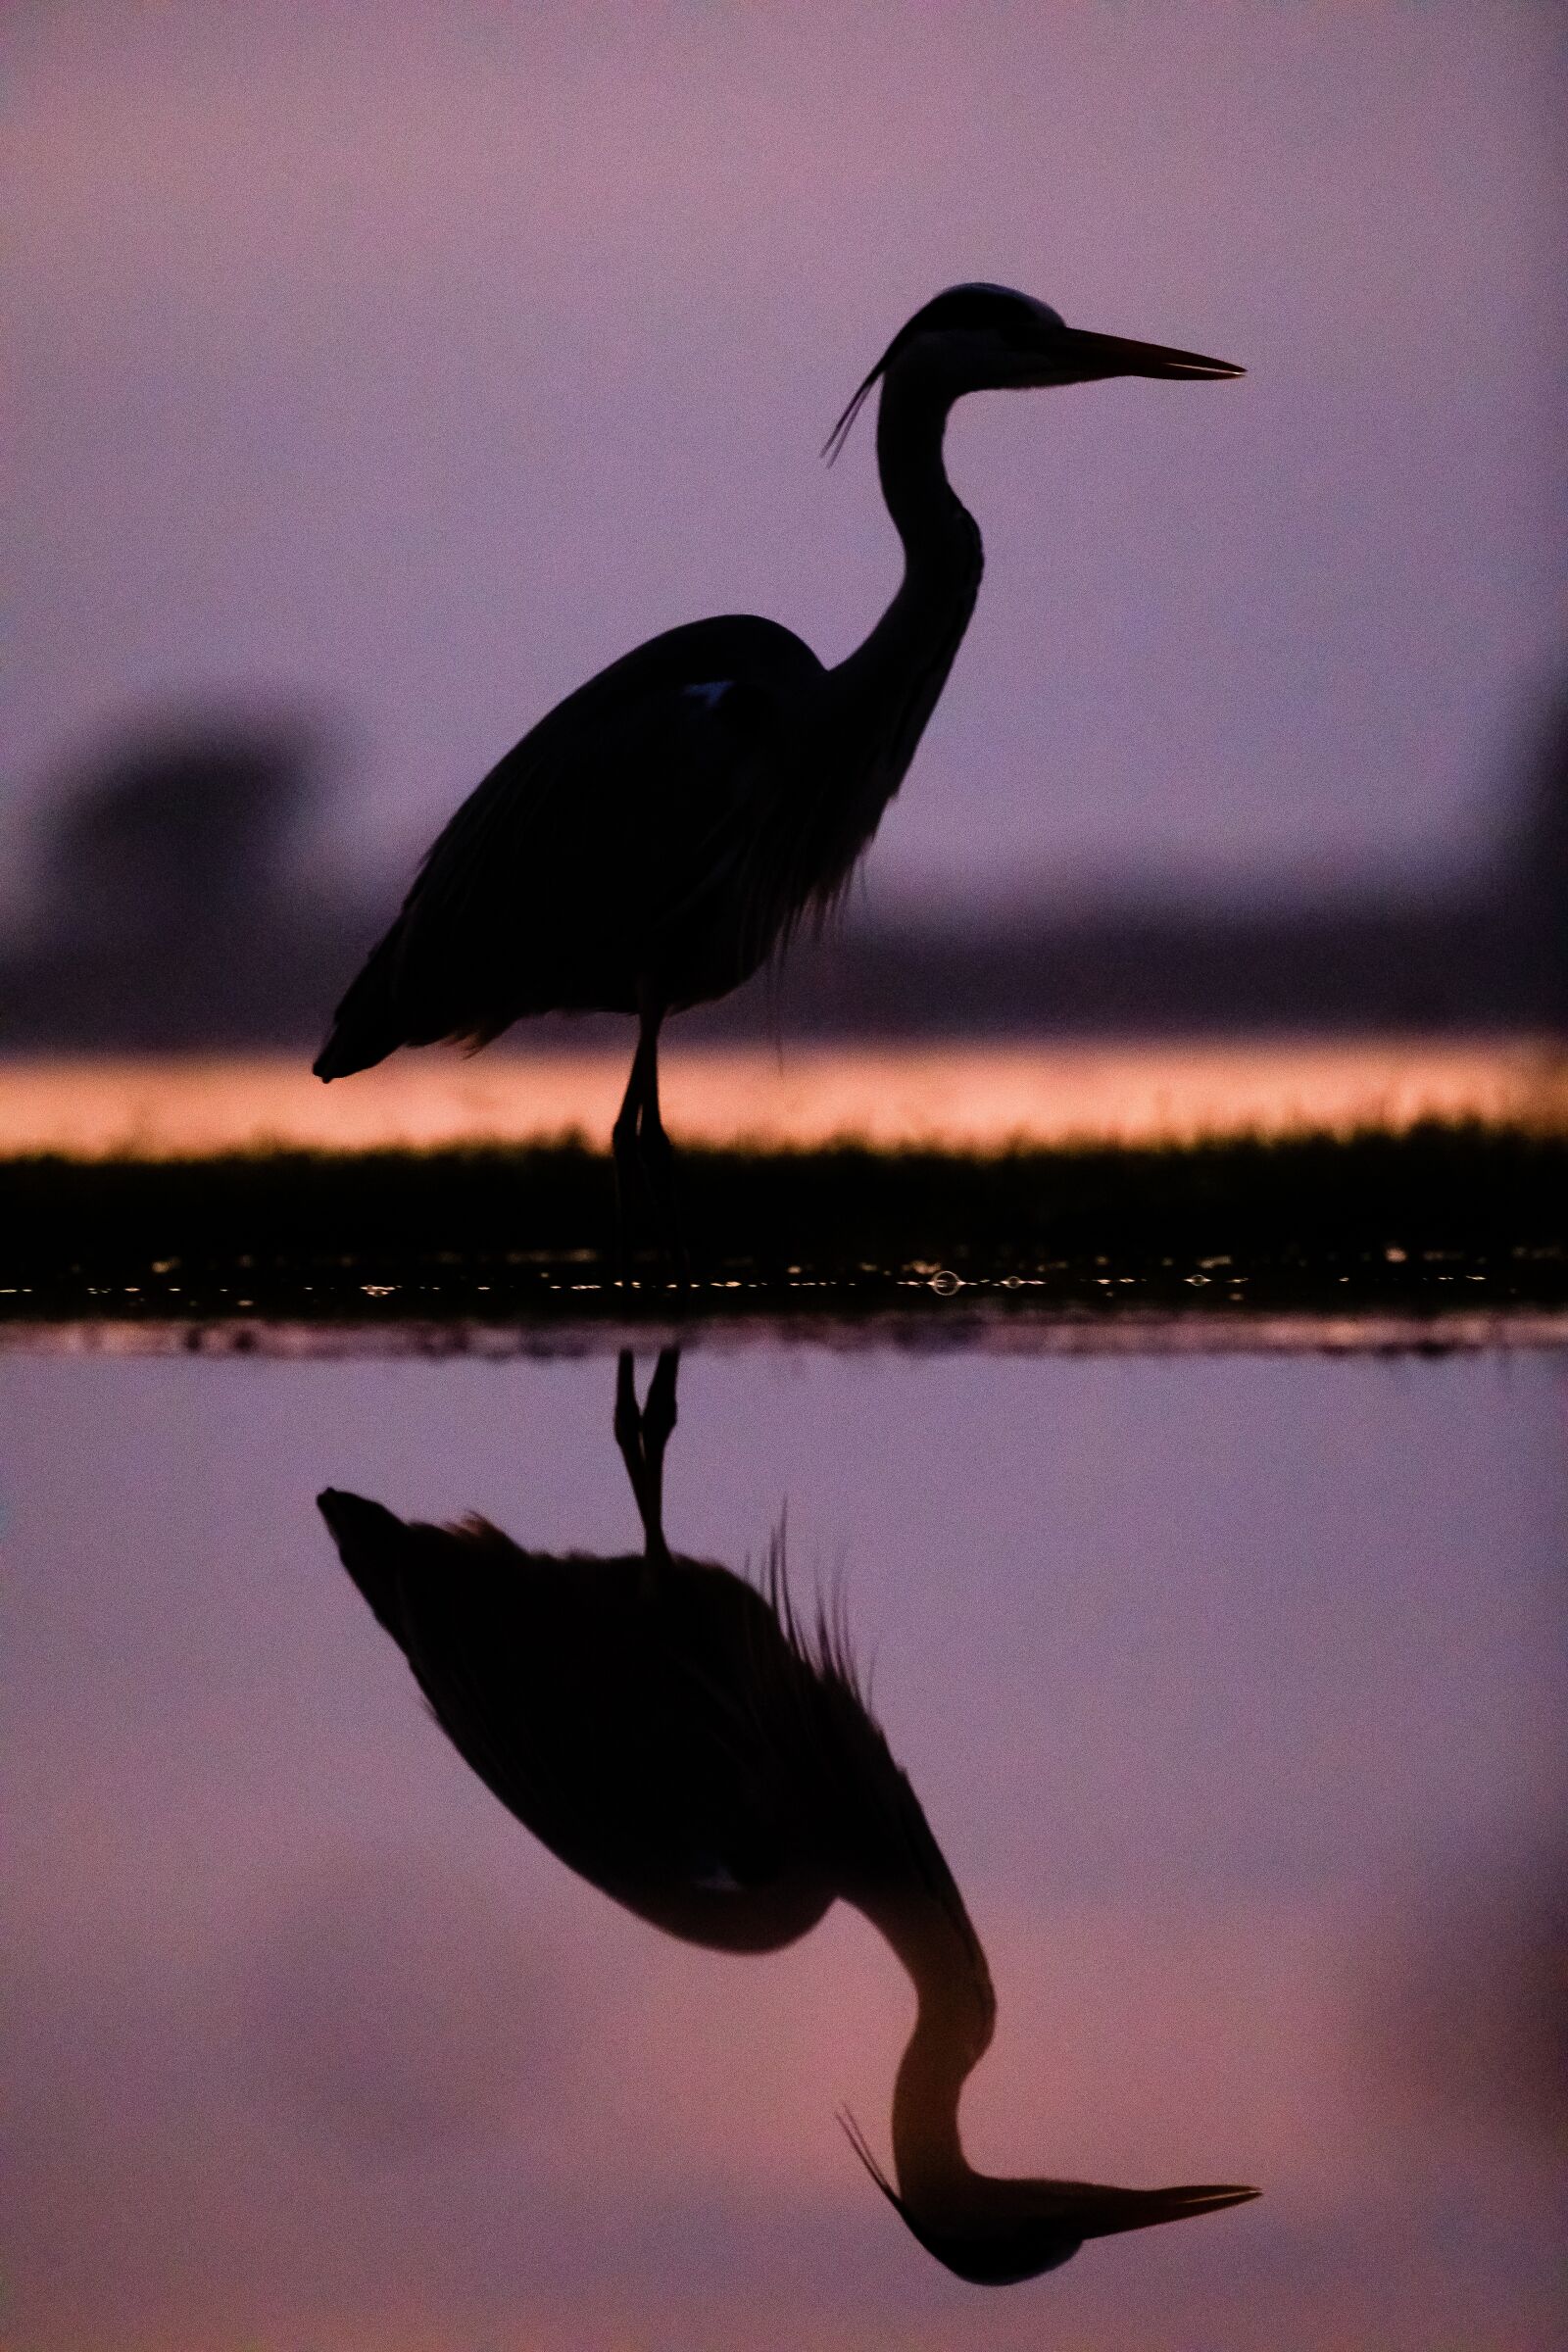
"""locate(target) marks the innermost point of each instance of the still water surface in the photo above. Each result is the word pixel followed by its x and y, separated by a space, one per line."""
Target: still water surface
pixel 1232 1691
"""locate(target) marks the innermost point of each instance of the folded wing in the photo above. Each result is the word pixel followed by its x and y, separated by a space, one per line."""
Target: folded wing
pixel 612 839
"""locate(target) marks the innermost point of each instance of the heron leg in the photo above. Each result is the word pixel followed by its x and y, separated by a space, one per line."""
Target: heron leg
pixel 657 1151
pixel 623 1153
pixel 625 1147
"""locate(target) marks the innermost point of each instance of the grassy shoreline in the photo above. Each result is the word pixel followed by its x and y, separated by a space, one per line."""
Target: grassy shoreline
pixel 1427 1220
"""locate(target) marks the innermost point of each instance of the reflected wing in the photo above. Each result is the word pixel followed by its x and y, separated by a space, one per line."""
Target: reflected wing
pixel 574 1700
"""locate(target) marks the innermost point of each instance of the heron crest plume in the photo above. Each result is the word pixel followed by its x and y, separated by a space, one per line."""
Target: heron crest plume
pixel 972 307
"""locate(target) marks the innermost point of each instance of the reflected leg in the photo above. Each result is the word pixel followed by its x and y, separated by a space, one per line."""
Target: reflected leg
pixel 659 1423
pixel 641 1433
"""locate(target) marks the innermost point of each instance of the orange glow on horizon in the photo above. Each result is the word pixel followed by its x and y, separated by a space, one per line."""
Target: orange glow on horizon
pixel 961 1097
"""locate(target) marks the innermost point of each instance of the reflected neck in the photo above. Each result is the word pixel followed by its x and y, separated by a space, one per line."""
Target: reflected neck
pixel 954 2021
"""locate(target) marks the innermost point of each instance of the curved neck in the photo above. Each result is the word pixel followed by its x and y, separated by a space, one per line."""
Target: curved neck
pixel 954 2020
pixel 911 422
pixel 898 673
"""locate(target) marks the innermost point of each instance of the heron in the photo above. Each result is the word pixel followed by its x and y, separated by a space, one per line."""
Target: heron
pixel 663 832
pixel 706 1756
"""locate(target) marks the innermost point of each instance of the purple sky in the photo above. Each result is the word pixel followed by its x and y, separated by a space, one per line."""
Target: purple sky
pixel 1232 1691
pixel 417 359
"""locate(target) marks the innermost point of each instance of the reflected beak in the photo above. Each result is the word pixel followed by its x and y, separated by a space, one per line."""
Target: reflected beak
pixel 1103 2212
pixel 1088 357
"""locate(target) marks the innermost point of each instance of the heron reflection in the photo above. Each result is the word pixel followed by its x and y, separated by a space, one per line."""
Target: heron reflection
pixel 704 1753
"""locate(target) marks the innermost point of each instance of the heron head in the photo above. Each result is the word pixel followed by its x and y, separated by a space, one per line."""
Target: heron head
pixel 996 2232
pixel 983 338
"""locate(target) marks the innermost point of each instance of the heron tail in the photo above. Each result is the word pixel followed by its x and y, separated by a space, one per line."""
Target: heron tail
pixel 374 1545
pixel 366 1027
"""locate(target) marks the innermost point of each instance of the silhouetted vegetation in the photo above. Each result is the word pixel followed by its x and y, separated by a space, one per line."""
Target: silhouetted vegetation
pixel 1438 1217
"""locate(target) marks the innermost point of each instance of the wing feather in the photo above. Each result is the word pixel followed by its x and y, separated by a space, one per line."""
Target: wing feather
pixel 590 848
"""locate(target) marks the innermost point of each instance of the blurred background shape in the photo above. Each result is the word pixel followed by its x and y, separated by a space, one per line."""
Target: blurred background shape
pixel 416 364
pixel 393 2010
pixel 177 906
pixel 172 908
pixel 1462 1996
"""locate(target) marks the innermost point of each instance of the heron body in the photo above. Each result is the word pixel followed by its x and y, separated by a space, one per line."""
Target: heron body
pixel 600 862
pixel 666 828
pixel 683 1741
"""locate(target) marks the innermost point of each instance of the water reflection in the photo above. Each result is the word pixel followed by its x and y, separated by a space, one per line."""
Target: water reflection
pixel 705 1755
pixel 1232 1688
pixel 1464 1996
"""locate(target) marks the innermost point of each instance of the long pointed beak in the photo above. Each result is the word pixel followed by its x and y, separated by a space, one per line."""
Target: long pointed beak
pixel 1103 2212
pixel 1089 355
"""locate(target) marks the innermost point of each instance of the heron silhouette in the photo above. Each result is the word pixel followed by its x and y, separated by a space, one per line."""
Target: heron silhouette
pixel 666 828
pixel 694 1748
